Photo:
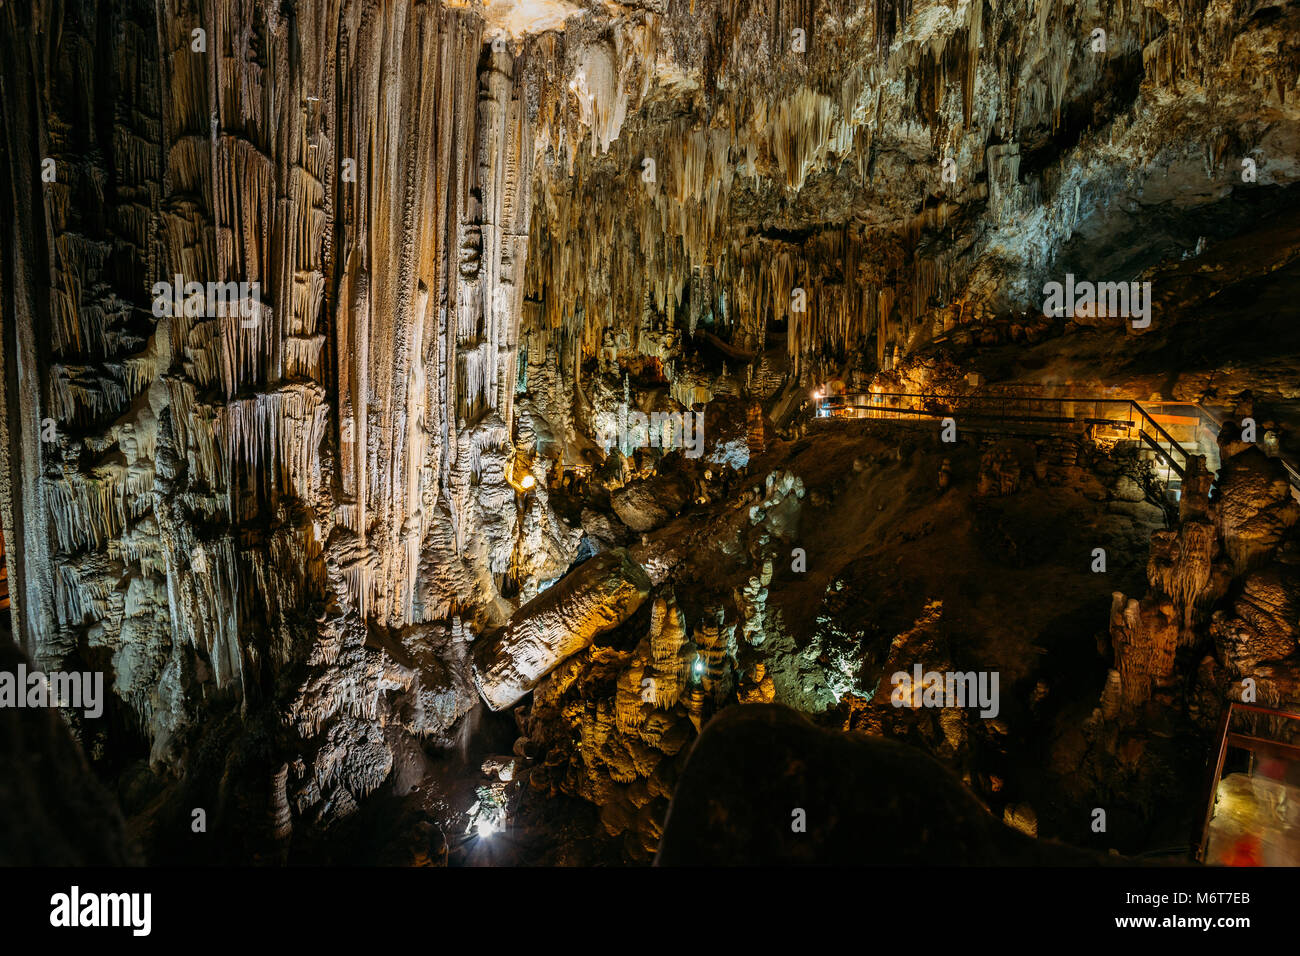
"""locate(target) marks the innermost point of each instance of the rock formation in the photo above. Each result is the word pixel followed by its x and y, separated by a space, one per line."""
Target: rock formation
pixel 796 782
pixel 354 351
pixel 555 625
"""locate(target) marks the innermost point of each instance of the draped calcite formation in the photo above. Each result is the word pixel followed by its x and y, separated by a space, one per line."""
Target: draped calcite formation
pixel 601 594
pixel 1145 634
pixel 1255 507
pixel 207 503
pixel 632 714
pixel 1187 577
pixel 659 670
pixel 1237 538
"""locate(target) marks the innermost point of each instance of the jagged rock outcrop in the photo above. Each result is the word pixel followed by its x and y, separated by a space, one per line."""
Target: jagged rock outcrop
pixel 764 787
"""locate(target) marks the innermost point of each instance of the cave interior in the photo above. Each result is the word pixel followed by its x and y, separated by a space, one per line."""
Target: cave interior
pixel 567 433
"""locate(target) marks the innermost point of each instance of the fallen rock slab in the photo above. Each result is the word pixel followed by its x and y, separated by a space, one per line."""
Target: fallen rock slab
pixel 647 504
pixel 599 595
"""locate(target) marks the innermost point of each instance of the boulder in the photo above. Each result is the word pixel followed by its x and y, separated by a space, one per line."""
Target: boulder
pixel 763 786
pixel 647 504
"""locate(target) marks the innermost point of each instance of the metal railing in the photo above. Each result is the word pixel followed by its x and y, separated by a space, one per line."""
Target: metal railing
pixel 1252 742
pixel 1144 423
pixel 1003 409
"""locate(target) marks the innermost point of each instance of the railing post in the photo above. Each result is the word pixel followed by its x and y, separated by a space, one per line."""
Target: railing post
pixel 1224 722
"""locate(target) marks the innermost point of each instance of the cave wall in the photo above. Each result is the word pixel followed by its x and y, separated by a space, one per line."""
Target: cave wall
pixel 224 506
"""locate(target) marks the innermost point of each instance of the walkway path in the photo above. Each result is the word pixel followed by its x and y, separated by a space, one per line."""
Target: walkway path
pixel 1170 431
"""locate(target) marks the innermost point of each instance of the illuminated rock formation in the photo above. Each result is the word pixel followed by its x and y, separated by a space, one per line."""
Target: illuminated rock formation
pixel 603 593
pixel 217 500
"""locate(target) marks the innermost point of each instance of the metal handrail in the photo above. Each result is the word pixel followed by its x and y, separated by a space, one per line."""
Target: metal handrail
pixel 1163 443
pixel 1226 740
pixel 1077 399
pixel 1155 446
pixel 1162 433
pixel 1004 406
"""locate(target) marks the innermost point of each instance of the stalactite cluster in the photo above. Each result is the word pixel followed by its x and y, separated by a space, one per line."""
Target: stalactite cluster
pixel 709 178
pixel 222 492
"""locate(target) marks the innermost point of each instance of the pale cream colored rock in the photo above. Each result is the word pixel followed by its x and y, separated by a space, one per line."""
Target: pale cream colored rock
pixel 601 594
